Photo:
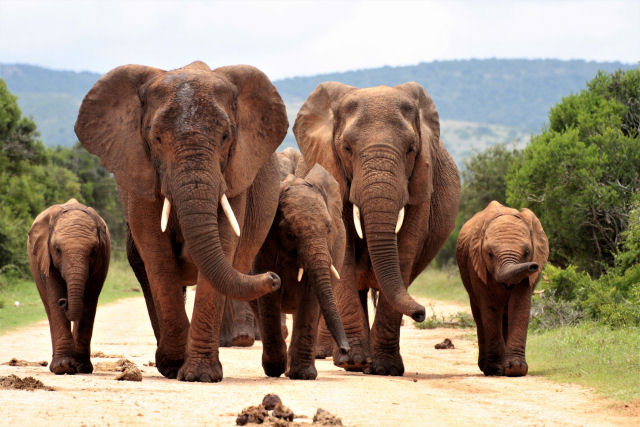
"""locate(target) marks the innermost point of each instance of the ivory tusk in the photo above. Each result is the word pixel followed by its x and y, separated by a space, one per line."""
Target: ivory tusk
pixel 164 219
pixel 400 220
pixel 226 207
pixel 335 272
pixel 300 272
pixel 356 220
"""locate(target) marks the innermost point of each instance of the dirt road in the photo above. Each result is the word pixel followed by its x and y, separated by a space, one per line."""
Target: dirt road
pixel 440 387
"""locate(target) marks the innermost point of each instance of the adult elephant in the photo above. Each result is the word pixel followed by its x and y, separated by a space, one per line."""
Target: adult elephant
pixel 191 144
pixel 400 189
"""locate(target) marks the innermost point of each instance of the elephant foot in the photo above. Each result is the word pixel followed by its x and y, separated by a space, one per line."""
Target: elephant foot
pixel 300 372
pixel 492 369
pixel 515 368
pixel 168 366
pixel 386 364
pixel 274 366
pixel 357 359
pixel 200 369
pixel 243 340
pixel 84 365
pixel 62 365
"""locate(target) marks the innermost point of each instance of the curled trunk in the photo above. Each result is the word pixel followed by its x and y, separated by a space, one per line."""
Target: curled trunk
pixel 196 202
pixel 512 273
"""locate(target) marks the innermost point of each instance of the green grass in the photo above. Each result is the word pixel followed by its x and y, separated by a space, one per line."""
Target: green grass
pixel 590 354
pixel 440 284
pixel 120 283
pixel 461 319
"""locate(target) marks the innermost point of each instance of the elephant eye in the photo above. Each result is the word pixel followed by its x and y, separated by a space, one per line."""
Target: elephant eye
pixel 291 236
pixel 57 249
pixel 491 254
pixel 526 252
pixel 410 149
pixel 225 136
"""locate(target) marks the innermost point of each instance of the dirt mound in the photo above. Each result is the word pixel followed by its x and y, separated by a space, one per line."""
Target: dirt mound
pixel 445 345
pixel 326 418
pixel 18 362
pixel 28 383
pixel 280 415
pixel 128 370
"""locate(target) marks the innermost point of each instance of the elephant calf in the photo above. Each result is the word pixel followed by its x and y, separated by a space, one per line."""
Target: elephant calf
pixel 69 249
pixel 500 255
pixel 305 247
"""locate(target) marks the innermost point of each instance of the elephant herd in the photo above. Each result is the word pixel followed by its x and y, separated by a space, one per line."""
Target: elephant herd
pixel 367 204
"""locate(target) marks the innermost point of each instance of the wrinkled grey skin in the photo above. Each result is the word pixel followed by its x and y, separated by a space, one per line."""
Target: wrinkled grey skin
pixel 69 249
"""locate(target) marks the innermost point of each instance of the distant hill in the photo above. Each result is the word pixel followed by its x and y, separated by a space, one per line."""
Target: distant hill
pixel 481 102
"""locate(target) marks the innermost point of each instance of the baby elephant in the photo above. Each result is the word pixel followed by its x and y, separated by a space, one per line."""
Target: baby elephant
pixel 305 247
pixel 69 249
pixel 500 255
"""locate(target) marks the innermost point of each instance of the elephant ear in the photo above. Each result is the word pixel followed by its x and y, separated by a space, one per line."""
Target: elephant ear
pixel 288 160
pixel 322 180
pixel 261 124
pixel 430 149
pixel 108 126
pixel 539 241
pixel 104 238
pixel 38 239
pixel 314 129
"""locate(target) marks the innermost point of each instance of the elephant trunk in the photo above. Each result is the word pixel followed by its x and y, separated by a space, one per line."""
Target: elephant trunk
pixel 76 281
pixel 512 273
pixel 381 217
pixel 196 198
pixel 320 279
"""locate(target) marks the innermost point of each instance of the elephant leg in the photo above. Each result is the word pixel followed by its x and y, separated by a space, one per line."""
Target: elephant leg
pixel 492 312
pixel 324 341
pixel 482 350
pixel 137 265
pixel 385 340
pixel 243 334
pixel 226 329
pixel 202 363
pixel 301 365
pixel 83 329
pixel 63 360
pixel 274 348
pixel 519 306
pixel 353 318
pixel 165 282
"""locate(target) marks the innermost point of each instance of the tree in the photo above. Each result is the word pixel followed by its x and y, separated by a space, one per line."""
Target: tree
pixel 581 174
pixel 483 180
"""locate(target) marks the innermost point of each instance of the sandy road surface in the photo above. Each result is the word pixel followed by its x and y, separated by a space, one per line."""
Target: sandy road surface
pixel 440 387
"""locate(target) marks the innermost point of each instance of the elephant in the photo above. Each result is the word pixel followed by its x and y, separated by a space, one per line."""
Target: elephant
pixel 69 249
pixel 305 247
pixel 382 145
pixel 500 254
pixel 192 153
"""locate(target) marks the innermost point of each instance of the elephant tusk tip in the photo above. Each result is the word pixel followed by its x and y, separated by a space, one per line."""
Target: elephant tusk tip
pixel 300 273
pixel 356 221
pixel 226 207
pixel 335 272
pixel 164 219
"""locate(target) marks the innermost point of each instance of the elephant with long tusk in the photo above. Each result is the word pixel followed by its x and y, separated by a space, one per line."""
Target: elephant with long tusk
pixel 400 190
pixel 187 148
pixel 305 247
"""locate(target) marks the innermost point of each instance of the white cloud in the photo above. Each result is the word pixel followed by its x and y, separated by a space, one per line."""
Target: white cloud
pixel 287 38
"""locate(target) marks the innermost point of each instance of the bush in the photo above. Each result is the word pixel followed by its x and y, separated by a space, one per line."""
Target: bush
pixel 580 176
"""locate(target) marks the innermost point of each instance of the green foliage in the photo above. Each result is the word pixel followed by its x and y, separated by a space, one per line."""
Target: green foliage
pixel 483 180
pixel 580 175
pixel 442 284
pixel 33 177
pixel 461 319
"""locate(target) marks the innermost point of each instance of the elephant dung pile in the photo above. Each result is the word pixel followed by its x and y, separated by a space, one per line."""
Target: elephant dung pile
pixel 18 362
pixel 28 383
pixel 445 345
pixel 128 370
pixel 280 415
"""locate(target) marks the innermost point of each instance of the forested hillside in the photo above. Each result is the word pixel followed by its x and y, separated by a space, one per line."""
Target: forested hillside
pixel 472 96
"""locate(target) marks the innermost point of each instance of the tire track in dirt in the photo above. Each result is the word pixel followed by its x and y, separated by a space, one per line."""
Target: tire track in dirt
pixel 441 387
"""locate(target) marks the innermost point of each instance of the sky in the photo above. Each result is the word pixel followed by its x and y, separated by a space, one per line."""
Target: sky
pixel 293 38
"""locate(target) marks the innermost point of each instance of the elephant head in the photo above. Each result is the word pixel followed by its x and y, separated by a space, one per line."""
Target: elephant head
pixel 382 145
pixel 69 241
pixel 194 137
pixel 506 244
pixel 311 232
